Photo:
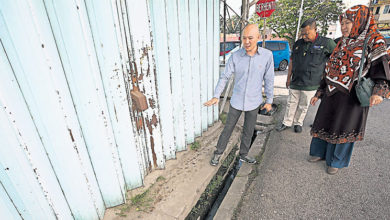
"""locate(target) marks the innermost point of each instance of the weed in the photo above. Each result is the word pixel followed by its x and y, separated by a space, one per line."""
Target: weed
pixel 195 146
pixel 160 178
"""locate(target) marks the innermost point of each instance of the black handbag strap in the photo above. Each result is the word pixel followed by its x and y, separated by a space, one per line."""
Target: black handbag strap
pixel 362 59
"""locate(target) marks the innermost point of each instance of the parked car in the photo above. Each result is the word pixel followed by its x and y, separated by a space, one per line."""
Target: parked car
pixel 230 45
pixel 280 51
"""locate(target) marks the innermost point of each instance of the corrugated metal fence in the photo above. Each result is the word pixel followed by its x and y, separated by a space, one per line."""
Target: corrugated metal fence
pixel 72 140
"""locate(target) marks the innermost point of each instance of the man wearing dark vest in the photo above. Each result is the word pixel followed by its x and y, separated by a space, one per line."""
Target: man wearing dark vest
pixel 305 71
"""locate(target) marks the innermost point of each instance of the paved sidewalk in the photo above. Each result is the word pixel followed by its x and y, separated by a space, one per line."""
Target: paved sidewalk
pixel 287 186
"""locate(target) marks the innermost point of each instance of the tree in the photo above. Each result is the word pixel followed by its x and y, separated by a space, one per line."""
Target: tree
pixel 284 20
pixel 232 25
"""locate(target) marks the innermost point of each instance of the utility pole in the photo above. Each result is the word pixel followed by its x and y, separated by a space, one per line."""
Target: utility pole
pixel 299 20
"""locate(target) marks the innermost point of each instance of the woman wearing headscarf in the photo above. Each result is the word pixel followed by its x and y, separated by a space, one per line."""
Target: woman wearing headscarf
pixel 341 120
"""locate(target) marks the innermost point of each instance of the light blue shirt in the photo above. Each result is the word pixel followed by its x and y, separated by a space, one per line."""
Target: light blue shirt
pixel 250 72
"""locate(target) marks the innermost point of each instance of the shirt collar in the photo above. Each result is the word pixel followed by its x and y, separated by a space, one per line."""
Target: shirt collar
pixel 243 52
pixel 315 38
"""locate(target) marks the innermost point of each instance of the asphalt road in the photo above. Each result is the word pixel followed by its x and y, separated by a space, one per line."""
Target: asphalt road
pixel 289 187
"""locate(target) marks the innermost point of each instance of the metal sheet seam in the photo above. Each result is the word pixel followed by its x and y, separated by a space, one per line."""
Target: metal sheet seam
pixel 78 119
pixel 12 202
pixel 216 52
pixel 121 26
pixel 194 49
pixel 109 129
pixel 117 34
pixel 37 174
pixel 99 83
pixel 144 149
pixel 175 69
pixel 34 168
pixel 144 75
pixel 141 130
pixel 161 61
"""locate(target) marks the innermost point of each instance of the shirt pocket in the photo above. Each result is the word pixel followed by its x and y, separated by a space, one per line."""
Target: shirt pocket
pixel 317 56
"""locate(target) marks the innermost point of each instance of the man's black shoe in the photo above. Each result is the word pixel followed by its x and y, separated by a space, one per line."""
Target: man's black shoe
pixel 297 128
pixel 282 127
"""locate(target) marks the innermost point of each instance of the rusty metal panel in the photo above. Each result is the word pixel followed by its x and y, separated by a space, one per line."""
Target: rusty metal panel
pixel 180 103
pixel 195 65
pixel 74 42
pixel 107 50
pixel 203 61
pixel 160 49
pixel 39 75
pixel 143 77
pixel 216 52
pixel 65 98
pixel 210 58
pixel 144 153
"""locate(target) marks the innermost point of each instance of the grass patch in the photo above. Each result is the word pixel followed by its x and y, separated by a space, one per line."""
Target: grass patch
pixel 195 146
pixel 160 178
pixel 142 202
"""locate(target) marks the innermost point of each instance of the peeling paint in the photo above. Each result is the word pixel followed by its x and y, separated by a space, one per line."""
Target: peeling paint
pixel 152 103
pixel 71 135
pixel 153 152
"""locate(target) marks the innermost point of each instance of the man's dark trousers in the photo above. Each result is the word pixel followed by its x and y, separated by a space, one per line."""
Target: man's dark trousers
pixel 247 131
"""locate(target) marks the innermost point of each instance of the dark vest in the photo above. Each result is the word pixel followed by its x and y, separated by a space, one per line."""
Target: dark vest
pixel 308 65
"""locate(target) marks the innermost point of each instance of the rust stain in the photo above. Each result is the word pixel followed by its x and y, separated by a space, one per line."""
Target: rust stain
pixel 153 153
pixel 139 124
pixel 141 76
pixel 154 120
pixel 71 134
pixel 149 125
pixel 152 103
pixel 116 115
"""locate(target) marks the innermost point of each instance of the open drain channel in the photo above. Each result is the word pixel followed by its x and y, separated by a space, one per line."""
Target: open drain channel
pixel 208 204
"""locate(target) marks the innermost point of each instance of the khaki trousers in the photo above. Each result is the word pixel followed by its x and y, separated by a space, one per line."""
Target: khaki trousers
pixel 297 105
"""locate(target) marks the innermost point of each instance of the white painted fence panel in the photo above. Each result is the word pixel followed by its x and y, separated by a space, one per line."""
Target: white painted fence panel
pixel 195 65
pixel 72 137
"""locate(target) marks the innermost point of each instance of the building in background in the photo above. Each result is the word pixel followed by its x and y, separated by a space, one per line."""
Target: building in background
pixel 334 29
pixel 381 11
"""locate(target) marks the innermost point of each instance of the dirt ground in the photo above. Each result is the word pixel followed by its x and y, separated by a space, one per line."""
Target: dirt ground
pixel 171 193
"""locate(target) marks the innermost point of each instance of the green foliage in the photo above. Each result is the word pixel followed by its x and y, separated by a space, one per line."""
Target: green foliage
pixel 232 24
pixel 142 201
pixel 284 20
pixel 195 146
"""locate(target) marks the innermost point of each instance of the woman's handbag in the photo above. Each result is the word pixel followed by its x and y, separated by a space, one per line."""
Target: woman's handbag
pixel 364 85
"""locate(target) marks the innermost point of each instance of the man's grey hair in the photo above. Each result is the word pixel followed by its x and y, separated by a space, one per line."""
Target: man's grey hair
pixel 310 22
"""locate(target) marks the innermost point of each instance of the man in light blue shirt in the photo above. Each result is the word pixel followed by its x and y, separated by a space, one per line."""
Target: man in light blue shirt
pixel 251 66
